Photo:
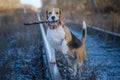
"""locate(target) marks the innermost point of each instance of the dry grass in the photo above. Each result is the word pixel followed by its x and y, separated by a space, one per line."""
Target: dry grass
pixel 11 27
pixel 6 5
pixel 116 22
pixel 110 22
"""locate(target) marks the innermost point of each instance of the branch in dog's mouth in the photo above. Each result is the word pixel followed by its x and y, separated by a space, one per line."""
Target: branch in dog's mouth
pixel 41 22
pixel 52 23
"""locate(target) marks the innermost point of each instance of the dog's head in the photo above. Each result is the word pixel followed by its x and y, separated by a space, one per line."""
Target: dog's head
pixel 54 14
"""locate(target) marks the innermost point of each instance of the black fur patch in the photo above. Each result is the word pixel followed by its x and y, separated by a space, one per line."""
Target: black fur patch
pixel 75 42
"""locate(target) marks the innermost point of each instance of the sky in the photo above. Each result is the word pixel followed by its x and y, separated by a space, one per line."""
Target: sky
pixel 34 3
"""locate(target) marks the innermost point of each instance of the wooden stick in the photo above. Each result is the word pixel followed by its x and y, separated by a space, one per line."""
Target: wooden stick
pixel 39 22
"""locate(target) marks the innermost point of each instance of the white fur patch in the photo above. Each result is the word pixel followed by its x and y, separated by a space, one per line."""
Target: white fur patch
pixel 84 25
pixel 56 39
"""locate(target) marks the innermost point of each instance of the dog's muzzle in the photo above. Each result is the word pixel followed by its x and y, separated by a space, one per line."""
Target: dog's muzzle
pixel 54 24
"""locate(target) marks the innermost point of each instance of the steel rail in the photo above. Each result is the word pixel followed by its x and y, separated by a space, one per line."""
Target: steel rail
pixel 54 72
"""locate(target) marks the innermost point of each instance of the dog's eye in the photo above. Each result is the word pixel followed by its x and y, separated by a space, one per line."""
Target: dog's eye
pixel 49 13
pixel 57 13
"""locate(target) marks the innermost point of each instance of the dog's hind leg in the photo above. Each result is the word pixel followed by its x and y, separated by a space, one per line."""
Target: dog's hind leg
pixel 79 72
pixel 75 69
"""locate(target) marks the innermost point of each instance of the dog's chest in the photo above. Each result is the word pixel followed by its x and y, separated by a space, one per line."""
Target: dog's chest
pixel 56 34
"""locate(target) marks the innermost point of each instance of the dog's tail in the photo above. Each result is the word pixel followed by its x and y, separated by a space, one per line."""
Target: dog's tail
pixel 84 33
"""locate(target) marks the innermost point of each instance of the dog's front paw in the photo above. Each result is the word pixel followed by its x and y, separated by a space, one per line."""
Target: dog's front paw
pixel 52 61
pixel 51 55
pixel 65 50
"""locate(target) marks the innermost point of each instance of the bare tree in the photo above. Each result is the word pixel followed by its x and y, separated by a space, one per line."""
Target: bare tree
pixel 94 6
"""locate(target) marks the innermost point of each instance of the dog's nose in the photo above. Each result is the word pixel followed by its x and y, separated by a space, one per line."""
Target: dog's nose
pixel 53 17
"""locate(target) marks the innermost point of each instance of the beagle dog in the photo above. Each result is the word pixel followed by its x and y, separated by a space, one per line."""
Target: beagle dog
pixel 62 39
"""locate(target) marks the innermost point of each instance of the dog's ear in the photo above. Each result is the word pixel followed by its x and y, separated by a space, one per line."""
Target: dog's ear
pixel 46 14
pixel 61 15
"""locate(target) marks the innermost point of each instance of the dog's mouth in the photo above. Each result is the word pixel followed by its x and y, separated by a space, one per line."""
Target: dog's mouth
pixel 54 24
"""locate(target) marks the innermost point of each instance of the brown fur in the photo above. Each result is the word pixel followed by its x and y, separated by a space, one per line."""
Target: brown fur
pixel 81 52
pixel 59 11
